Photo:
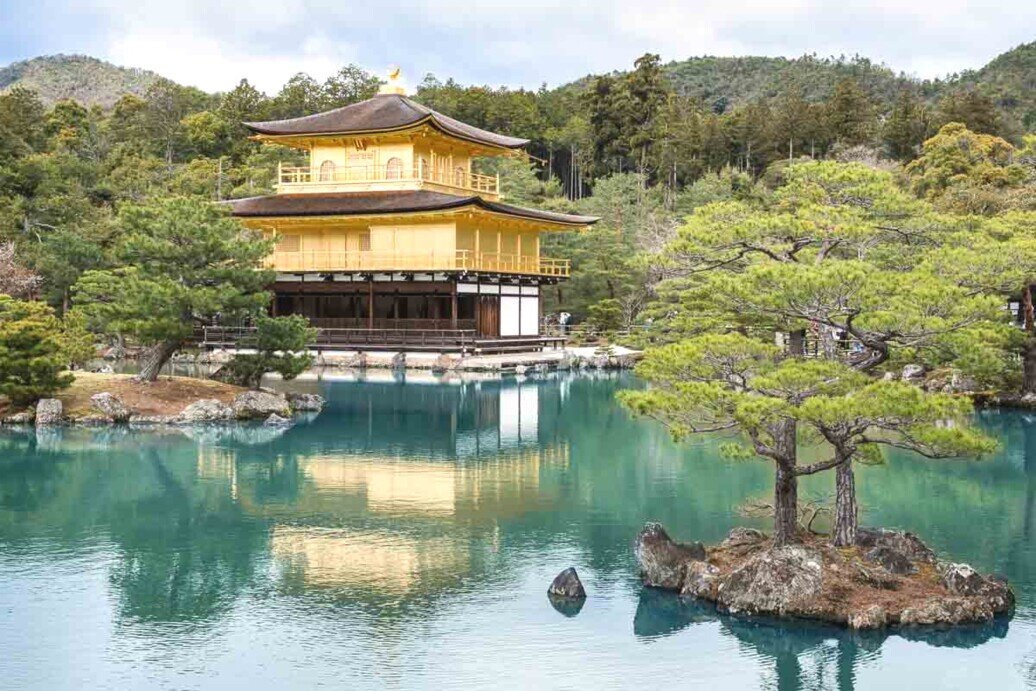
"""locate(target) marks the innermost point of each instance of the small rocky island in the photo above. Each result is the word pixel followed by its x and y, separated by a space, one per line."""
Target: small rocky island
pixel 889 578
pixel 105 399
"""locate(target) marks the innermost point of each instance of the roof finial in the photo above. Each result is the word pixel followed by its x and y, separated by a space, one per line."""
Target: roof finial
pixel 394 85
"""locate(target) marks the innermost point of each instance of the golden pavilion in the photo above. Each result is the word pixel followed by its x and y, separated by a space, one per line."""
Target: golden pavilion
pixel 389 238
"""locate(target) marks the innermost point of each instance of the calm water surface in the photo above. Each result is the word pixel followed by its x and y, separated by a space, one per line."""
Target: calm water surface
pixel 405 537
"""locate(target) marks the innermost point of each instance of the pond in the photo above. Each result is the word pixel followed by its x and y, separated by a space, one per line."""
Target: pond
pixel 405 537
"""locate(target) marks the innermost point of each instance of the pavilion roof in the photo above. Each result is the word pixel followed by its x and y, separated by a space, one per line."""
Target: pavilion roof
pixel 384 112
pixel 389 202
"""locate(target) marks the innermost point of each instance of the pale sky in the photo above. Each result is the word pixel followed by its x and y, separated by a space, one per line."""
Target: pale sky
pixel 213 44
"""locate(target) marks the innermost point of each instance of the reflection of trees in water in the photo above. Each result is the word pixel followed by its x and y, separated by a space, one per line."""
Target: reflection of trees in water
pixel 803 654
pixel 190 559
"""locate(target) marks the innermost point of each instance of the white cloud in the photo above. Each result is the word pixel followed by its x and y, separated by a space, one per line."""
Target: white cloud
pixel 214 44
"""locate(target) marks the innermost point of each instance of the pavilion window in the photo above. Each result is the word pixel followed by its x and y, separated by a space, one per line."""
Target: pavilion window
pixel 327 171
pixel 365 241
pixel 458 176
pixel 289 243
pixel 394 169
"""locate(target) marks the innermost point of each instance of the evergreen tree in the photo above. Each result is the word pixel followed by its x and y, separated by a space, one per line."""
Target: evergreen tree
pixel 182 263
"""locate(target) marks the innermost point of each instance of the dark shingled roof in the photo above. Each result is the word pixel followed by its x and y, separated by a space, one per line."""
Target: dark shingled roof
pixel 383 112
pixel 369 203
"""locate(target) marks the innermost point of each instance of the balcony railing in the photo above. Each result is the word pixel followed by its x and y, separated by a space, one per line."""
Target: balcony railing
pixel 459 179
pixel 461 260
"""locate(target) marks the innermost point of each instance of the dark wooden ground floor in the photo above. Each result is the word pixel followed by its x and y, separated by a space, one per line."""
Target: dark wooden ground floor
pixel 487 310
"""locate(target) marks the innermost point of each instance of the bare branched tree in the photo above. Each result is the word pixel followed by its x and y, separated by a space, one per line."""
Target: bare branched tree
pixel 15 279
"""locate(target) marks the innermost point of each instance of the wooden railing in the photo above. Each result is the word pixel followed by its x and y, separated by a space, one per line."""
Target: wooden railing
pixel 429 340
pixel 459 179
pixel 459 260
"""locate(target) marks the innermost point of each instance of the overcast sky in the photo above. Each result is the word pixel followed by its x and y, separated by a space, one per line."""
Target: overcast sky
pixel 213 44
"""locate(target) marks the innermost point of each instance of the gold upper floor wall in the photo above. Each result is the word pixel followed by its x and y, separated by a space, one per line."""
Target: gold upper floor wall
pixel 420 159
pixel 442 242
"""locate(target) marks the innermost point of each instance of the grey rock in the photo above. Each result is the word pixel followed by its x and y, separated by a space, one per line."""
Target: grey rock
pixel 306 401
pixel 215 357
pixel 520 370
pixel 961 579
pixel 907 544
pixel 871 617
pixel 567 584
pixel 947 611
pixel 891 559
pixel 743 536
pixel 700 580
pixel 662 561
pixel 93 419
pixel 276 420
pixel 48 412
pixel 156 419
pixel 204 410
pixel 399 361
pixel 912 373
pixel 260 404
pixel 781 581
pixel 102 369
pixel 110 406
pixel 24 417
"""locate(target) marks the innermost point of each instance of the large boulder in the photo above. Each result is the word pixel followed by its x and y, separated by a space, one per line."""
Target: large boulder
pixel 110 406
pixel 740 536
pixel 205 410
pixel 781 581
pixel 444 363
pixel 567 584
pixel 961 579
pixel 906 544
pixel 306 402
pixel 891 559
pixel 399 361
pixel 260 404
pixel 48 412
pixel 662 561
pixel 946 611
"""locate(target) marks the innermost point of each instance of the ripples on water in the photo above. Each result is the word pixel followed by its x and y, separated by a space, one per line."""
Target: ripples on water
pixel 405 537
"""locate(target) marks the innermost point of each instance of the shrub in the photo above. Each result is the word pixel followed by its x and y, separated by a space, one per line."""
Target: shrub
pixel 32 351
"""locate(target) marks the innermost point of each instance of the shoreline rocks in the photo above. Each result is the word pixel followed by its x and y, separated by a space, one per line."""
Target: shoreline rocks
pixel 567 585
pixel 890 578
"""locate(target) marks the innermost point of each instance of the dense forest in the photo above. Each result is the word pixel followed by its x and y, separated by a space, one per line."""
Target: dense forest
pixel 641 149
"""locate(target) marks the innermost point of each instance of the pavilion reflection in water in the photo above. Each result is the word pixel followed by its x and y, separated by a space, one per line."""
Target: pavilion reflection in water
pixel 398 489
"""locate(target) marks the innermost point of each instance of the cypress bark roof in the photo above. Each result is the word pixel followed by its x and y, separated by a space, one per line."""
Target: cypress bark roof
pixel 384 112
pixel 373 203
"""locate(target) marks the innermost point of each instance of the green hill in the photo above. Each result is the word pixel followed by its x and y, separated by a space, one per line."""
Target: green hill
pixel 88 80
pixel 1010 79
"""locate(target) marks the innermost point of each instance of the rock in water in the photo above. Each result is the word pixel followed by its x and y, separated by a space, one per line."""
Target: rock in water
pixel 781 581
pixel 567 584
pixel 260 404
pixel 399 361
pixel 871 617
pixel 444 363
pixel 961 579
pixel 276 420
pixel 24 417
pixel 48 412
pixel 663 562
pixel 206 410
pixel 306 402
pixel 110 406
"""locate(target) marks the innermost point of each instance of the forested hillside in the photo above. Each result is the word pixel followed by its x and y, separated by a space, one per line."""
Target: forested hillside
pixel 87 80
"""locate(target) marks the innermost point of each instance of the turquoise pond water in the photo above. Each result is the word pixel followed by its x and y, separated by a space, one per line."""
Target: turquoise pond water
pixel 405 538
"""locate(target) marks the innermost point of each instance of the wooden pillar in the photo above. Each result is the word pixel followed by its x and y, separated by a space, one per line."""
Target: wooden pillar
pixel 370 302
pixel 453 304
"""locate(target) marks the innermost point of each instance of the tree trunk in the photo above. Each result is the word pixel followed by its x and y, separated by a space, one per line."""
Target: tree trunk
pixel 786 487
pixel 846 510
pixel 785 506
pixel 155 357
pixel 1029 365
